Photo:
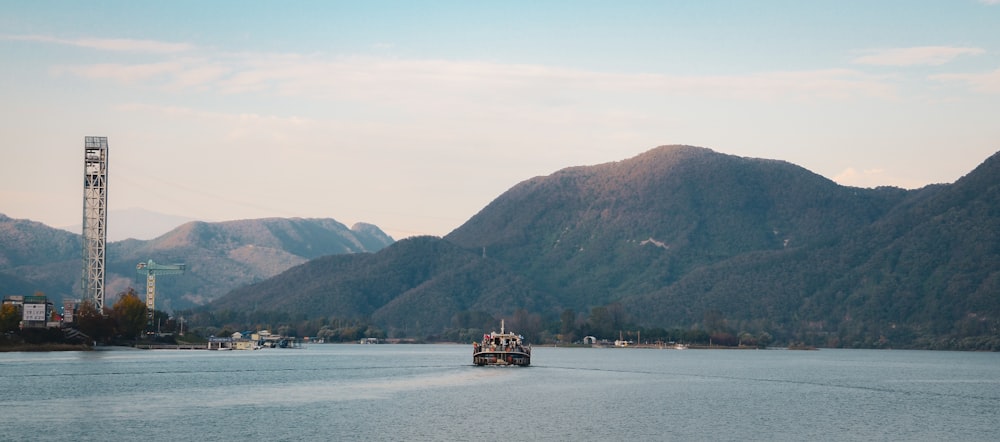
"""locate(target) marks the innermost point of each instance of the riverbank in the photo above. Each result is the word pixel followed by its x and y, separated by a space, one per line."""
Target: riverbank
pixel 45 347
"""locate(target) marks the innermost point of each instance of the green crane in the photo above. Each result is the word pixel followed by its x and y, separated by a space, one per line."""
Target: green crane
pixel 150 269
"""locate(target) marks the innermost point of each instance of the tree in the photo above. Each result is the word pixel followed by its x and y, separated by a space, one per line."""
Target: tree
pixel 9 318
pixel 526 324
pixel 764 339
pixel 92 322
pixel 567 325
pixel 130 313
pixel 715 322
pixel 162 322
pixel 600 322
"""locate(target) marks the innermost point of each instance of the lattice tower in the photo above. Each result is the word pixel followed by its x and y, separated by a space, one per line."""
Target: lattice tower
pixel 95 217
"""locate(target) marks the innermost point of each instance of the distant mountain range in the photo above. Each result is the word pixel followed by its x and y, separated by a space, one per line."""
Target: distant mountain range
pixel 219 256
pixel 136 223
pixel 684 237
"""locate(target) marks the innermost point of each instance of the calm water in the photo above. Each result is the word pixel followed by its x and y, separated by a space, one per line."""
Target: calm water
pixel 432 392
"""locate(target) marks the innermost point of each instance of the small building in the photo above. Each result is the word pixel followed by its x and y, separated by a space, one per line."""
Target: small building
pixel 36 311
pixel 69 310
pixel 245 344
pixel 220 343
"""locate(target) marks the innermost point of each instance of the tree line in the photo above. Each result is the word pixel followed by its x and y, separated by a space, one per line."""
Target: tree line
pixel 609 322
pixel 127 319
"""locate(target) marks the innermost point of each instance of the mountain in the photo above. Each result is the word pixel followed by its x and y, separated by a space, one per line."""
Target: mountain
pixel 607 231
pixel 685 237
pixel 926 274
pixel 219 256
pixel 417 283
pixel 137 223
pixel 37 258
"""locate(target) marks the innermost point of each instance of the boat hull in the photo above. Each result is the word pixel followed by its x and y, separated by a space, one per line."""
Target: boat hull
pixel 501 358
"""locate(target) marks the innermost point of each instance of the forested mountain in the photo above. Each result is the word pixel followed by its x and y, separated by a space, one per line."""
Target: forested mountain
pixel 37 258
pixel 684 237
pixel 416 285
pixel 604 232
pixel 219 256
pixel 925 274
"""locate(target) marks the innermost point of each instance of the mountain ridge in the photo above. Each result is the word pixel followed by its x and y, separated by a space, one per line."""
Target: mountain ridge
pixel 219 256
pixel 686 237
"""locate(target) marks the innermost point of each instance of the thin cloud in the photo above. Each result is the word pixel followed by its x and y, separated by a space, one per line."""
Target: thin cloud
pixel 394 81
pixel 988 82
pixel 186 112
pixel 108 44
pixel 123 73
pixel 915 56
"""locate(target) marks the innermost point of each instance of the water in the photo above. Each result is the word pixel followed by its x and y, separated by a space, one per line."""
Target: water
pixel 432 392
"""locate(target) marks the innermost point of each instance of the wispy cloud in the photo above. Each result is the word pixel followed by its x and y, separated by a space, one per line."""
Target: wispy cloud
pixel 107 44
pixel 988 82
pixel 990 2
pixel 915 56
pixel 392 81
pixel 187 112
pixel 235 126
pixel 123 73
pixel 386 80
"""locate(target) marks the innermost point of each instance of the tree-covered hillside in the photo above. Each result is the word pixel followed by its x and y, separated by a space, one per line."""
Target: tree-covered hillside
pixel 601 233
pixel 418 285
pixel 684 238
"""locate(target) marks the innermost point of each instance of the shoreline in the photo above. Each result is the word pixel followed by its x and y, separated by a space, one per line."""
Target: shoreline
pixel 45 347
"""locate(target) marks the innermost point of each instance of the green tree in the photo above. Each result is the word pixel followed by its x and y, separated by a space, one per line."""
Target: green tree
pixel 526 324
pixel 600 322
pixel 764 339
pixel 567 325
pixel 715 322
pixel 374 332
pixel 130 314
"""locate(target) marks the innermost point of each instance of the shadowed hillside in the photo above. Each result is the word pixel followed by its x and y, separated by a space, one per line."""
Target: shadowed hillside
pixel 413 286
pixel 600 233
pixel 684 238
pixel 926 274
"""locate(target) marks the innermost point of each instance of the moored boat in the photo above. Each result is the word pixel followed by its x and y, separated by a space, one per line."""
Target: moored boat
pixel 504 348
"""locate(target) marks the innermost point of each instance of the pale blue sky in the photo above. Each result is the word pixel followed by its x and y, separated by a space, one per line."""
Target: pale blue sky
pixel 414 115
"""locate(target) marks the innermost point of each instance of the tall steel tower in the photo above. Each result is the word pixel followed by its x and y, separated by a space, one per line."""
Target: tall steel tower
pixel 95 217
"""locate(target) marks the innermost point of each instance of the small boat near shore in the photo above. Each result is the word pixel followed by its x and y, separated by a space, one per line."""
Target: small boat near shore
pixel 504 348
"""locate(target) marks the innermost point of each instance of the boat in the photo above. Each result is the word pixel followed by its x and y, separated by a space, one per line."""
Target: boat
pixel 504 348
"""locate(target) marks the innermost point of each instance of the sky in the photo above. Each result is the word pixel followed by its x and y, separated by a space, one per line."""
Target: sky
pixel 413 116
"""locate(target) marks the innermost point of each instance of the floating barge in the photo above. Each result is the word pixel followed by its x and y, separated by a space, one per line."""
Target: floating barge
pixel 504 348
